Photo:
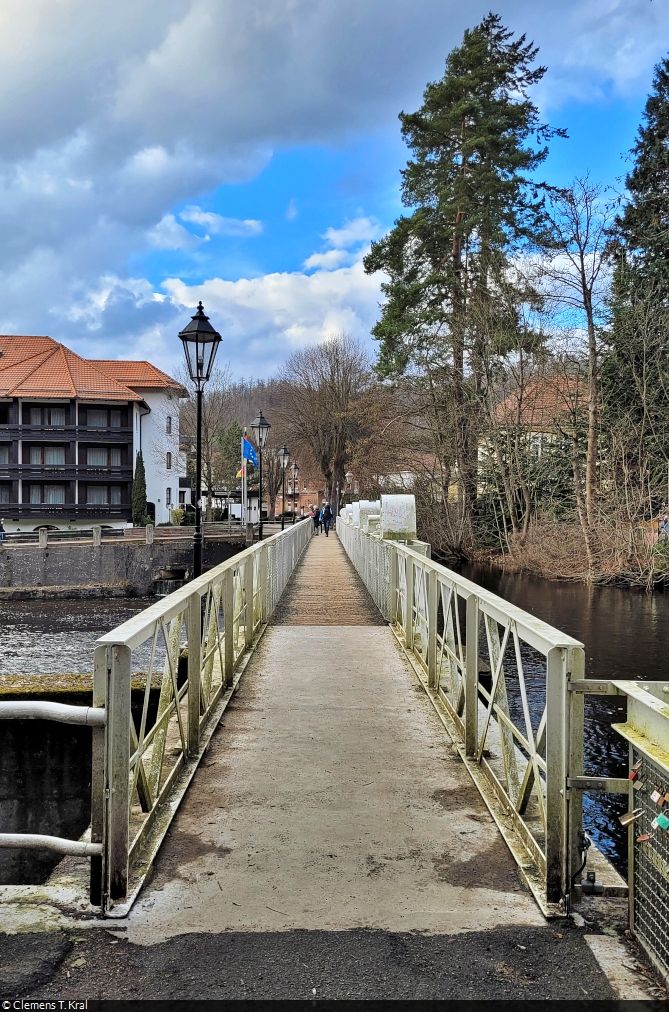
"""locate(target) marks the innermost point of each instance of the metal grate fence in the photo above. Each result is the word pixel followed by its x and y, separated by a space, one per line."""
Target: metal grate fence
pixel 650 862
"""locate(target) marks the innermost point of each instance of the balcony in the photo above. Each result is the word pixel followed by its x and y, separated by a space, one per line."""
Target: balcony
pixel 66 433
pixel 65 512
pixel 65 472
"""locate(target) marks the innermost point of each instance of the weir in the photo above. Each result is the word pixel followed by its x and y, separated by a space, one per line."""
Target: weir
pixel 383 741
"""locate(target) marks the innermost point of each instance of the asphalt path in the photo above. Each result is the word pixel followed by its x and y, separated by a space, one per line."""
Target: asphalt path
pixel 549 963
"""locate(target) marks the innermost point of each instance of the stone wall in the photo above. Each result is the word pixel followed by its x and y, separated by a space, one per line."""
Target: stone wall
pixel 112 567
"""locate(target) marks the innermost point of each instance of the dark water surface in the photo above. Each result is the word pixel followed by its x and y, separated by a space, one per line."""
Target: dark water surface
pixel 44 637
pixel 625 632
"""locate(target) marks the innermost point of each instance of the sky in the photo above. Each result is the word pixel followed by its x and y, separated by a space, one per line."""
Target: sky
pixel 246 154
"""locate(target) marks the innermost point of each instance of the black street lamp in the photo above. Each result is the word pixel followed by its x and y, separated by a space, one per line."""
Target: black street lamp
pixel 260 427
pixel 200 342
pixel 294 470
pixel 349 479
pixel 284 461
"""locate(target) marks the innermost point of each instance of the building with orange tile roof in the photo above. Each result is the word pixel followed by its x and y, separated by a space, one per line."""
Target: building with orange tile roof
pixel 70 432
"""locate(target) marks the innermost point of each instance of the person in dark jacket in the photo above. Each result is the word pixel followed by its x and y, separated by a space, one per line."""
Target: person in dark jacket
pixel 326 517
pixel 2 531
pixel 316 514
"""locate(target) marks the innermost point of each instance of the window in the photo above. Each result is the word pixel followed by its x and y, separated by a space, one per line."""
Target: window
pixel 4 455
pixel 115 496
pixel 35 416
pixel 54 454
pixel 116 456
pixel 115 419
pixel 96 495
pixel 35 454
pixel 35 494
pixel 96 456
pixel 54 495
pixel 168 461
pixel 4 493
pixel 168 425
pixel 168 496
pixel 96 418
pixel 57 416
pixel 182 498
pixel 4 414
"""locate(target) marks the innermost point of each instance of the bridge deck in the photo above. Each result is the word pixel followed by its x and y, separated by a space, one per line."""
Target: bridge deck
pixel 330 799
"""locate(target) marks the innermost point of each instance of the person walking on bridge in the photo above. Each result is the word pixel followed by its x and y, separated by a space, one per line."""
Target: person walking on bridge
pixel 316 514
pixel 326 516
pixel 2 531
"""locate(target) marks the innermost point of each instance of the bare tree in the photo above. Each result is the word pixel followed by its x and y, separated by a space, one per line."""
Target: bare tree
pixel 217 413
pixel 324 402
pixel 579 220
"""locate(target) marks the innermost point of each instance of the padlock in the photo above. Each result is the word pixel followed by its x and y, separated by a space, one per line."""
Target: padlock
pixel 662 820
pixel 629 817
pixel 639 785
pixel 655 796
pixel 645 837
pixel 634 775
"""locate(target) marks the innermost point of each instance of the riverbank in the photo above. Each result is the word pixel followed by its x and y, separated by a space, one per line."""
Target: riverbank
pixel 557 551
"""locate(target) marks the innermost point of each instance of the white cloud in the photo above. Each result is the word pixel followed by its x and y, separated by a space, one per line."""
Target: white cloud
pixel 169 234
pixel 216 224
pixel 264 319
pixel 328 260
pixel 356 231
pixel 292 211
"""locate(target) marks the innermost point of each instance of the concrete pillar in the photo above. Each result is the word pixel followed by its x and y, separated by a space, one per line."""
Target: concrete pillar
pixel 97 536
pixel 249 534
pixel 43 537
pixel 149 533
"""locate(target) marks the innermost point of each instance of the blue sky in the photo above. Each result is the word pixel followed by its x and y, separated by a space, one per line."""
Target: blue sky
pixel 246 154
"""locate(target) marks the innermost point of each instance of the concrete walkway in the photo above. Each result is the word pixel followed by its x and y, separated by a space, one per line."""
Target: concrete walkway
pixel 330 798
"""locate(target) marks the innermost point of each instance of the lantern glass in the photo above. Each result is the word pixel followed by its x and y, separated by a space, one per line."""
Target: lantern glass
pixel 260 427
pixel 284 456
pixel 294 469
pixel 200 342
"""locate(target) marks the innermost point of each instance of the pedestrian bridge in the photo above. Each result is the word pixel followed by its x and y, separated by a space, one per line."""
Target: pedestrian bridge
pixel 336 732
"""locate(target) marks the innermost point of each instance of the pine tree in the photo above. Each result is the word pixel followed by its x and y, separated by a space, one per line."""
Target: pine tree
pixel 139 492
pixel 643 227
pixel 470 184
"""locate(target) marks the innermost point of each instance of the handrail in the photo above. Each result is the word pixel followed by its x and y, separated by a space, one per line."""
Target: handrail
pixel 499 678
pixel 92 716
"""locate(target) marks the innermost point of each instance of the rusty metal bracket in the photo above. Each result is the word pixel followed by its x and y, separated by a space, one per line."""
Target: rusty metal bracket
pixel 608 785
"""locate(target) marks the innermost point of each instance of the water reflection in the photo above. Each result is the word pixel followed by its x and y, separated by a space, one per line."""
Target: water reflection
pixel 624 632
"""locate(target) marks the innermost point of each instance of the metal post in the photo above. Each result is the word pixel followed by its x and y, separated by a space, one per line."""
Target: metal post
pixel 197 535
pixel 408 621
pixel 194 631
pixel 262 589
pixel 432 589
pixel 117 785
pixel 260 492
pixel 394 584
pixel 98 774
pixel 556 775
pixel 248 610
pixel 229 617
pixel 283 498
pixel 472 677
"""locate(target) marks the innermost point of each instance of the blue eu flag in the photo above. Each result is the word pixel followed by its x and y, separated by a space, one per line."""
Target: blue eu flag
pixel 249 453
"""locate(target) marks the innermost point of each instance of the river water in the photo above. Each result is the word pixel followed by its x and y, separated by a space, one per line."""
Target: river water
pixel 625 633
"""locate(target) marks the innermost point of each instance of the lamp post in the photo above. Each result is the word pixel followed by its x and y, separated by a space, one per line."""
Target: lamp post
pixel 349 479
pixel 200 342
pixel 284 461
pixel 294 470
pixel 260 427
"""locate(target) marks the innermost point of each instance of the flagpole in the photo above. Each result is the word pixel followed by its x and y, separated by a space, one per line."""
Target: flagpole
pixel 243 510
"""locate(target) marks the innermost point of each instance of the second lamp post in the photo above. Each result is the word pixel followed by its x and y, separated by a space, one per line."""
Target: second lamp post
pixel 284 461
pixel 260 427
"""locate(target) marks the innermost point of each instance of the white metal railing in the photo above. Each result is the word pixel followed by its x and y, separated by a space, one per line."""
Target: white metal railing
pixel 197 638
pixel 501 679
